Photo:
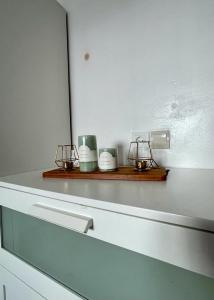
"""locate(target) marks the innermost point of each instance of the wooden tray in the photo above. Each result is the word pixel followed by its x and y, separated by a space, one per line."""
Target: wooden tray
pixel 123 173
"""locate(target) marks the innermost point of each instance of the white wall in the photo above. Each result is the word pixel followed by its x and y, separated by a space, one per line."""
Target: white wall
pixel 34 106
pixel 151 67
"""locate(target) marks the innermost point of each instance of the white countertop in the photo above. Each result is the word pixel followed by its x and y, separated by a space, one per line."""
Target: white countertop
pixel 186 198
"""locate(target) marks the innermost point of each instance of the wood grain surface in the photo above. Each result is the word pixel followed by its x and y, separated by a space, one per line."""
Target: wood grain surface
pixel 122 173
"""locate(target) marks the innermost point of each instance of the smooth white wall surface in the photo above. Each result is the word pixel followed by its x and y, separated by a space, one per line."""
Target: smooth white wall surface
pixel 151 66
pixel 34 106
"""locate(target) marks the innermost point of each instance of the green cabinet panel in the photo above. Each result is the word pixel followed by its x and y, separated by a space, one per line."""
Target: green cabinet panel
pixel 95 269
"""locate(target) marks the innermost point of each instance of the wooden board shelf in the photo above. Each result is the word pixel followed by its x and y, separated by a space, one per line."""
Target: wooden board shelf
pixel 122 173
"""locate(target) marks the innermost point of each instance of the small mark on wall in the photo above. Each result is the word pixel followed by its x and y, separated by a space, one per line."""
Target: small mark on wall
pixel 174 106
pixel 86 56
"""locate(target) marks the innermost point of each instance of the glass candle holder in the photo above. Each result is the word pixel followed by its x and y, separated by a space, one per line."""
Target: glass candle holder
pixel 66 157
pixel 107 159
pixel 87 153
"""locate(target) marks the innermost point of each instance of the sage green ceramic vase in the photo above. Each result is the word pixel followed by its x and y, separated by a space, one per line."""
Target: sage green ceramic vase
pixel 88 153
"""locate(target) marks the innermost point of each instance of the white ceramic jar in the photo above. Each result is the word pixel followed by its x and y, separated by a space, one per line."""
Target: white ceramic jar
pixel 107 159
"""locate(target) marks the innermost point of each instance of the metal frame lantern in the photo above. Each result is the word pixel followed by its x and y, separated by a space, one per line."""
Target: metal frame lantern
pixel 140 153
pixel 66 156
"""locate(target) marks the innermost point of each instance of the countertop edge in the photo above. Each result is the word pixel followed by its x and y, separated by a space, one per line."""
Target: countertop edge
pixel 148 214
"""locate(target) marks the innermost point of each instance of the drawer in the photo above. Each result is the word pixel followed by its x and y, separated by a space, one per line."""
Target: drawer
pixel 11 288
pixel 180 246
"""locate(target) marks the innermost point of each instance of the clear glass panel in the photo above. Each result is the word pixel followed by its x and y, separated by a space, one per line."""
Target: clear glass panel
pixel 95 269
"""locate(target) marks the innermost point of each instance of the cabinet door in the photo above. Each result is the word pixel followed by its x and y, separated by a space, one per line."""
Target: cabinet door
pixel 12 288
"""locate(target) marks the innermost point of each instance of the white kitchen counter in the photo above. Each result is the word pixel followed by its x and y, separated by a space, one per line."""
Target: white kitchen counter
pixel 185 199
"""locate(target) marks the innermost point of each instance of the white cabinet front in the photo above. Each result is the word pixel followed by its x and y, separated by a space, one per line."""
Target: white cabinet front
pixel 12 288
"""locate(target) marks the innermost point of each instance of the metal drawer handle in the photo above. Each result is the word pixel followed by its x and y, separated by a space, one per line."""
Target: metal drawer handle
pixel 62 217
pixel 4 292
